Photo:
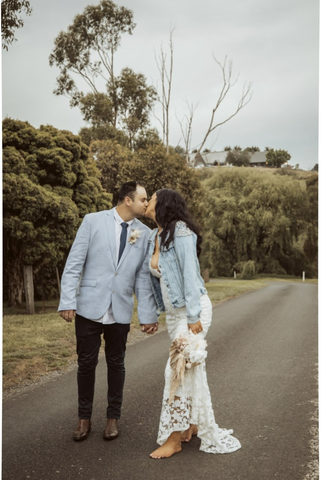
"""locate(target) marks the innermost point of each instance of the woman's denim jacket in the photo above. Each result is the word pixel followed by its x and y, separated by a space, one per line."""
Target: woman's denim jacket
pixel 180 271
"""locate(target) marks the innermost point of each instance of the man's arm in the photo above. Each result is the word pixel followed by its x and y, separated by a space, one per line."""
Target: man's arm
pixel 73 270
pixel 146 302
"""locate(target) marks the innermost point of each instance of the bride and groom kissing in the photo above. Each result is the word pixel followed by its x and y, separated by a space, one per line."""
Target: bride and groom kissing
pixel 113 256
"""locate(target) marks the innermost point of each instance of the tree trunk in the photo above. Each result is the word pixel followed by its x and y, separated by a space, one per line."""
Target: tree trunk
pixel 58 280
pixel 29 291
pixel 15 287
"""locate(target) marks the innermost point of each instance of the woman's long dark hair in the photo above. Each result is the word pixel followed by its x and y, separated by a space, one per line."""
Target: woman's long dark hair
pixel 170 208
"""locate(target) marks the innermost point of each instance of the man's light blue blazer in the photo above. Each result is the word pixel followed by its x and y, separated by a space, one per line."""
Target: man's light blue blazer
pixel 92 279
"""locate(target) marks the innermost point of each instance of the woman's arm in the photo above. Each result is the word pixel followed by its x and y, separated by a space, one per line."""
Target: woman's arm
pixel 185 248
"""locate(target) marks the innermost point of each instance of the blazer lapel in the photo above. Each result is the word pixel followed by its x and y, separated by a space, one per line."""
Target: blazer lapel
pixel 110 226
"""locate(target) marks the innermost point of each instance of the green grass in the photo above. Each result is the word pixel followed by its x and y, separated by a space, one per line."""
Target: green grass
pixel 222 289
pixel 34 345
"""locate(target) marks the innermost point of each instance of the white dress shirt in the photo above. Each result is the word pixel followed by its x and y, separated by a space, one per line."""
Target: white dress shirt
pixel 108 318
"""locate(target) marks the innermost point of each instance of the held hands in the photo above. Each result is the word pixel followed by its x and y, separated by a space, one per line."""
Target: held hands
pixel 195 327
pixel 68 315
pixel 150 328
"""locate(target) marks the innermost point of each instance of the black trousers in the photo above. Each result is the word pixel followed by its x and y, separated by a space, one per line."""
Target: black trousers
pixel 88 334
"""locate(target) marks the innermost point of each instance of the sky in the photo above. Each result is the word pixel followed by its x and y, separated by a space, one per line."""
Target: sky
pixel 272 44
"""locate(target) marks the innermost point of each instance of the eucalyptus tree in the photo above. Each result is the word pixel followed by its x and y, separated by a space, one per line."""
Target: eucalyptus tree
pixel 11 19
pixel 88 47
pixel 85 56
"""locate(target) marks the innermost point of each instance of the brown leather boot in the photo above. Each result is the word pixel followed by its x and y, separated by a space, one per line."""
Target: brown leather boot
pixel 111 431
pixel 83 429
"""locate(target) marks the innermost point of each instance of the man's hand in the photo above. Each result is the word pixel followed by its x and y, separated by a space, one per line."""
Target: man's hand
pixel 195 327
pixel 150 328
pixel 68 315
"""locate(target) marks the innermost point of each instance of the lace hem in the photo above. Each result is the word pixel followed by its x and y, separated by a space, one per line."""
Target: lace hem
pixel 193 405
pixel 192 400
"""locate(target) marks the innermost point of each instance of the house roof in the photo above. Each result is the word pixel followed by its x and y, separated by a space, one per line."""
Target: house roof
pixel 212 157
pixel 220 157
pixel 258 157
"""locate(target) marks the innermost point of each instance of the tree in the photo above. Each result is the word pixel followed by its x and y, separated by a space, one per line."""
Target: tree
pixel 132 100
pixel 310 245
pixel 102 132
pixel 166 75
pixel 127 101
pixel 180 150
pixel 49 184
pixel 252 149
pixel 253 216
pixel 11 20
pixel 238 158
pixel 97 31
pixel 276 158
pixel 187 129
pixel 159 169
pixel 228 83
pixel 315 168
pixel 152 166
pixel 110 157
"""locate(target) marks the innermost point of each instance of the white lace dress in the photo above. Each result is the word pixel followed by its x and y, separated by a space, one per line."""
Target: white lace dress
pixel 192 403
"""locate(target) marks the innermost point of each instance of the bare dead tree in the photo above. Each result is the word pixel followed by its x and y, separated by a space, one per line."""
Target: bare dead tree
pixel 228 83
pixel 166 74
pixel 186 128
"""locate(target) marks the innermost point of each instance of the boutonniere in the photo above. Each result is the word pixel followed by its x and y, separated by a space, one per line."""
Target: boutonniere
pixel 134 235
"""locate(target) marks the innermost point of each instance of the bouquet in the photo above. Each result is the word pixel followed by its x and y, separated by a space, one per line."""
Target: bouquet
pixel 185 352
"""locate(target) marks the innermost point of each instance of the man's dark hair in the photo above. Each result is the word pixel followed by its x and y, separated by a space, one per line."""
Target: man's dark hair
pixel 128 189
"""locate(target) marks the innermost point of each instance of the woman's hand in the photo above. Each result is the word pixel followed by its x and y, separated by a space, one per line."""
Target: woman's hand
pixel 195 327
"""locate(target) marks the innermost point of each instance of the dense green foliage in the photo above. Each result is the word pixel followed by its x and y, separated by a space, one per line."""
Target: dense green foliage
pixel 277 158
pixel 238 158
pixel 259 223
pixel 49 184
pixel 151 165
pixel 11 19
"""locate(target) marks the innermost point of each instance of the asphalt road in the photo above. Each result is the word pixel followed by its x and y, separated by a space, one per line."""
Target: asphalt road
pixel 261 371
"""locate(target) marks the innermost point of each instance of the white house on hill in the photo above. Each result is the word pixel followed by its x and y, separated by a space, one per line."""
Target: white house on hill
pixel 215 159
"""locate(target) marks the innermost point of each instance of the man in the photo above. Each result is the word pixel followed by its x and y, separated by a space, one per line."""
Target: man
pixel 106 265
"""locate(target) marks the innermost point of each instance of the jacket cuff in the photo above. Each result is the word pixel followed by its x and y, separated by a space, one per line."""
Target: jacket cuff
pixel 193 319
pixel 66 307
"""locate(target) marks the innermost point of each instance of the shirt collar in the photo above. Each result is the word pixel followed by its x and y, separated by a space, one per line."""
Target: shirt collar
pixel 118 218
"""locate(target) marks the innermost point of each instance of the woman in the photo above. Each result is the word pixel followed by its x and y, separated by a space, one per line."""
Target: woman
pixel 174 247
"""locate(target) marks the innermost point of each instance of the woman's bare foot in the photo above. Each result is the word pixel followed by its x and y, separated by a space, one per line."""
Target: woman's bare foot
pixel 169 448
pixel 188 434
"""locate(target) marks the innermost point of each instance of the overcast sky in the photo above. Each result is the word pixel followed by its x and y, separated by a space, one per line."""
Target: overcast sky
pixel 273 44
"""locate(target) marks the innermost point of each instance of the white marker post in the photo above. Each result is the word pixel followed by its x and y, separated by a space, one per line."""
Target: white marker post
pixel 303 276
pixel 234 274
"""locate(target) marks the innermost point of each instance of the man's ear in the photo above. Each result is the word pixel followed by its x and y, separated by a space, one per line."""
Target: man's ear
pixel 128 201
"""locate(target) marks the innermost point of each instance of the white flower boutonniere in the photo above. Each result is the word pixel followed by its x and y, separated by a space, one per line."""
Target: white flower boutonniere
pixel 134 235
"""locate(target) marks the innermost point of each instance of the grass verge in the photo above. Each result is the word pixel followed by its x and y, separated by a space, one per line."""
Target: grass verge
pixel 34 345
